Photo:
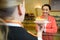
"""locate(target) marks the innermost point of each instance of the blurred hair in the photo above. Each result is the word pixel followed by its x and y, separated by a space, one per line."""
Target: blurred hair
pixel 6 12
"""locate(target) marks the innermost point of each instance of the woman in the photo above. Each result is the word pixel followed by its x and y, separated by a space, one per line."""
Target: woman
pixel 51 27
pixel 16 30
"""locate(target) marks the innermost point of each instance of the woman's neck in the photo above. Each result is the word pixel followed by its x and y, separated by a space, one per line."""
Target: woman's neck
pixel 45 17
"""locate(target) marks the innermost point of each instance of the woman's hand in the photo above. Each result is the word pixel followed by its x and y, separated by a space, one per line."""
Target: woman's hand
pixel 40 27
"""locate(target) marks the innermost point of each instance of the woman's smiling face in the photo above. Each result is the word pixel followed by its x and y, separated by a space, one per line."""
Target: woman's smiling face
pixel 45 10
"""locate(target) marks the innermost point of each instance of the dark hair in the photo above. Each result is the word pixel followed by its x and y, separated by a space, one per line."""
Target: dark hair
pixel 47 5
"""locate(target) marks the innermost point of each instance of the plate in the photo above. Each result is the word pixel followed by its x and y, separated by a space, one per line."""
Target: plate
pixel 41 21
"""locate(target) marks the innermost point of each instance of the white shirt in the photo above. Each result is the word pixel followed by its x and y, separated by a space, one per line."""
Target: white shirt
pixel 13 24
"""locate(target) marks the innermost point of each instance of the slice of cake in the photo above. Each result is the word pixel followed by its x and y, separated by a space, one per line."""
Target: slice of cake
pixel 39 20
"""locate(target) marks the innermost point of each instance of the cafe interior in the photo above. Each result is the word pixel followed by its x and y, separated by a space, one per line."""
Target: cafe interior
pixel 33 9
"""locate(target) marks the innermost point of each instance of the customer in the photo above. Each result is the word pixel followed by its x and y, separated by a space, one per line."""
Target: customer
pixel 16 30
pixel 51 27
